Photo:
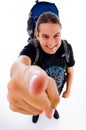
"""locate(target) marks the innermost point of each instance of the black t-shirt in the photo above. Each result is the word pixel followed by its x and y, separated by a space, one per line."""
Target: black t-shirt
pixel 54 64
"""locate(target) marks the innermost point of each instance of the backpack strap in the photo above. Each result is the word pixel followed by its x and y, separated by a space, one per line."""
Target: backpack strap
pixel 35 43
pixel 66 50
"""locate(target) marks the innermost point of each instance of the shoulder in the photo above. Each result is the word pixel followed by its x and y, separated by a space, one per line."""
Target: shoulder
pixel 65 42
pixel 29 50
pixel 69 51
pixel 67 45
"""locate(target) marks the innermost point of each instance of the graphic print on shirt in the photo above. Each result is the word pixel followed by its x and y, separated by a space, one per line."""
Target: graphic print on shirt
pixel 57 73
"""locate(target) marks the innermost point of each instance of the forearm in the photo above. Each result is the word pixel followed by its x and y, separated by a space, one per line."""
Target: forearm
pixel 70 74
pixel 69 82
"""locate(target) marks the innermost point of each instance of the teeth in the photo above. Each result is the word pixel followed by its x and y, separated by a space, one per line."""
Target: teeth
pixel 51 46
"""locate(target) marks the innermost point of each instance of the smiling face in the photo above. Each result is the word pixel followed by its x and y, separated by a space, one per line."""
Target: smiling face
pixel 49 37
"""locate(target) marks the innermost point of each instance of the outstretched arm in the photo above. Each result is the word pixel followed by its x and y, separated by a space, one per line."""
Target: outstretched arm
pixel 28 88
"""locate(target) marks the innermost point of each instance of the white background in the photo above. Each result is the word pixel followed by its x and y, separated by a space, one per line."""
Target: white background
pixel 13 37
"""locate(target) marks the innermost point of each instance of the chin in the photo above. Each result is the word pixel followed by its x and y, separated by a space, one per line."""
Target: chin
pixel 50 52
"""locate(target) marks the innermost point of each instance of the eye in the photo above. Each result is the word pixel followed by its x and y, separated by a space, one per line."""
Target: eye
pixel 45 36
pixel 57 35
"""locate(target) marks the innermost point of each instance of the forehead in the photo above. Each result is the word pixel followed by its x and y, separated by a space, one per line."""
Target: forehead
pixel 49 28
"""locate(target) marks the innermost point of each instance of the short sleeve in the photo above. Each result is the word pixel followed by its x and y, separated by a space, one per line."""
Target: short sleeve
pixel 71 57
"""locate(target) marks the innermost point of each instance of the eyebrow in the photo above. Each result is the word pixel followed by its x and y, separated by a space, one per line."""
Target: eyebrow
pixel 57 33
pixel 48 35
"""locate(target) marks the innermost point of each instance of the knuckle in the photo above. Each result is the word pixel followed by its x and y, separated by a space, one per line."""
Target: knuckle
pixel 12 99
pixel 13 108
pixel 12 86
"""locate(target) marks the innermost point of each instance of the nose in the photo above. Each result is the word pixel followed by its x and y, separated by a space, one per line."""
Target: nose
pixel 51 41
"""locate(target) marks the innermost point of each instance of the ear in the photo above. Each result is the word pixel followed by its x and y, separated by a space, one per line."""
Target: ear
pixel 36 34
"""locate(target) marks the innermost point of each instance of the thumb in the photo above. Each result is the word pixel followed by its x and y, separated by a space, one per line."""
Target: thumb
pixel 38 81
pixel 49 113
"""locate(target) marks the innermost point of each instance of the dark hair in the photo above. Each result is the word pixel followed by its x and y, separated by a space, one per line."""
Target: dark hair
pixel 47 17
